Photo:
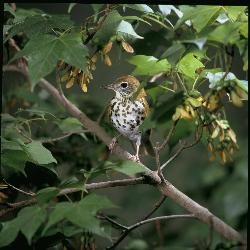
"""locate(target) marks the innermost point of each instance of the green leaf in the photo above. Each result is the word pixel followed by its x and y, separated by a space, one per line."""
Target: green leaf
pixel 126 30
pixel 81 213
pixel 199 42
pixel 38 154
pixel 67 47
pixel 46 194
pixel 30 219
pixel 140 7
pixel 227 33
pixel 188 65
pixel 14 159
pixel 149 65
pixel 37 25
pixel 200 16
pixel 174 53
pixel 129 168
pixel 108 28
pixel 8 233
pixel 234 12
pixel 70 124
pixel 58 213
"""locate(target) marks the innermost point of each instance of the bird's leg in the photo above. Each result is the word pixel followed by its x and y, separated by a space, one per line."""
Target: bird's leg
pixel 137 144
pixel 113 143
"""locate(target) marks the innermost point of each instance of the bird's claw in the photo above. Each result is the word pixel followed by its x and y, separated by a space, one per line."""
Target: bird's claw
pixel 135 158
pixel 112 144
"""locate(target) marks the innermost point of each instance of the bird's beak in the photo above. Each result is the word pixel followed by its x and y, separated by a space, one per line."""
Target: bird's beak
pixel 109 86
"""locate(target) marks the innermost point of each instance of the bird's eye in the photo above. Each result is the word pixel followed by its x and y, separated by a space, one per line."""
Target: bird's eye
pixel 124 85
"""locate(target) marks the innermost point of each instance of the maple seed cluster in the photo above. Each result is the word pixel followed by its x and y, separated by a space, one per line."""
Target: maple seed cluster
pixel 107 48
pixel 71 74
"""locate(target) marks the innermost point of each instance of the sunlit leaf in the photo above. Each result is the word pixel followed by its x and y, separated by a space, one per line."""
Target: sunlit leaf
pixel 149 65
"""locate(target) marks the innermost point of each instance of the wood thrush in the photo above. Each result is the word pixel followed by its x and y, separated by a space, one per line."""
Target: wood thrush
pixel 128 109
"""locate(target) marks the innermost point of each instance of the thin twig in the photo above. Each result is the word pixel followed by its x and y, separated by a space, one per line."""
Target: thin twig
pixel 138 224
pixel 182 147
pixel 165 142
pixel 156 206
pixel 18 189
pixel 51 140
pixel 113 222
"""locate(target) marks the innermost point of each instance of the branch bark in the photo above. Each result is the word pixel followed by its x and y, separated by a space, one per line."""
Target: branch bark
pixel 151 177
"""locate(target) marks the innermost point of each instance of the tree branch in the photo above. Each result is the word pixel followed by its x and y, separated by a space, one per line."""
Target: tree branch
pixel 90 186
pixel 150 176
pixel 140 223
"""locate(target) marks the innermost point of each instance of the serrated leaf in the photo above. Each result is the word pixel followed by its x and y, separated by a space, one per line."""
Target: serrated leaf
pixel 42 61
pixel 126 30
pixel 188 65
pixel 149 65
pixel 108 28
pixel 38 154
pixel 46 194
pixel 37 25
pixel 200 16
pixel 227 33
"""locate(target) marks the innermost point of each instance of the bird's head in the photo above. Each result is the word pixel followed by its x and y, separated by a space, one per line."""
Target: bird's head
pixel 124 86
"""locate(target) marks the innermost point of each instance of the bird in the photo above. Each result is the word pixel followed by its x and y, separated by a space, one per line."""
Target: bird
pixel 127 110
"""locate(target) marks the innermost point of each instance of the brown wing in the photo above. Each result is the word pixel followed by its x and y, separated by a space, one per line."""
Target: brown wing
pixel 142 94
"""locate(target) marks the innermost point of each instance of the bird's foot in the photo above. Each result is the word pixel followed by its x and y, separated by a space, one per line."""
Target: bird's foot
pixel 135 158
pixel 112 144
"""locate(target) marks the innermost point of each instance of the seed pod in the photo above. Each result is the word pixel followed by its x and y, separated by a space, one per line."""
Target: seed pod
pixel 107 48
pixel 235 99
pixel 215 132
pixel 76 71
pixel 83 83
pixel 94 58
pixel 93 66
pixel 210 147
pixel 127 47
pixel 70 82
pixel 107 60
pixel 232 135
pixel 65 77
pixel 223 156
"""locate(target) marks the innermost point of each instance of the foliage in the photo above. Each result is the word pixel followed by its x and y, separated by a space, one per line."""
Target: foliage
pixel 191 50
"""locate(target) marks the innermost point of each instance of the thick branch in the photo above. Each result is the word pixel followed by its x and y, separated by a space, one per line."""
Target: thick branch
pixel 200 212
